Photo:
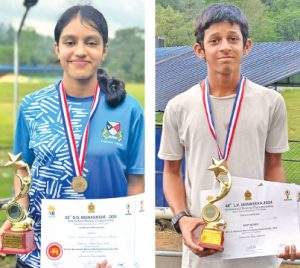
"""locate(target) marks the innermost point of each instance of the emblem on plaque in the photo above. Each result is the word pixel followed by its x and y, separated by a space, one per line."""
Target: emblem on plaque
pixel 248 195
pixel 91 208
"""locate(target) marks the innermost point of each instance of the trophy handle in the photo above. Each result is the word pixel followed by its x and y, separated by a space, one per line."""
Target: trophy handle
pixel 25 183
pixel 225 187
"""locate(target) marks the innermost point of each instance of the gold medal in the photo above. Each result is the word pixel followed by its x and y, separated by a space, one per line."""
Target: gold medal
pixel 79 184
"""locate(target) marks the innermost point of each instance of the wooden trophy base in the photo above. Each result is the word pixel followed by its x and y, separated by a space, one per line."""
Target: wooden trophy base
pixel 17 242
pixel 212 239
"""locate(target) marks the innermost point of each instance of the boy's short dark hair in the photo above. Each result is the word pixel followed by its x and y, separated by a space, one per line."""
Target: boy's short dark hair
pixel 216 13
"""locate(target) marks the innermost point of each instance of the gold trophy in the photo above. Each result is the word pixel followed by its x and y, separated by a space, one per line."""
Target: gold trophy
pixel 211 235
pixel 19 239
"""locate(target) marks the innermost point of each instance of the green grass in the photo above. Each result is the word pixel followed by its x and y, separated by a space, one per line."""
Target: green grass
pixel 292 100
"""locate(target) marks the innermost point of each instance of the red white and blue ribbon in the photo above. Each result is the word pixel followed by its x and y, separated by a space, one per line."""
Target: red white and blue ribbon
pixel 77 156
pixel 233 118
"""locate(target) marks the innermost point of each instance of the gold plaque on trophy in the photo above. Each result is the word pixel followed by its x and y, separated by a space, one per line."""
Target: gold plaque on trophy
pixel 212 235
pixel 19 239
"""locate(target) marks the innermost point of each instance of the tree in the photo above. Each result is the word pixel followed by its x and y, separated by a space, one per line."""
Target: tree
pixel 261 25
pixel 42 51
pixel 126 55
pixel 174 26
pixel 269 20
pixel 287 24
pixel 175 4
pixel 6 54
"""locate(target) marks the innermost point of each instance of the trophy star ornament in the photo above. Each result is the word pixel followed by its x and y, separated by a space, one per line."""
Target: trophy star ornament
pixel 13 159
pixel 218 167
pixel 16 160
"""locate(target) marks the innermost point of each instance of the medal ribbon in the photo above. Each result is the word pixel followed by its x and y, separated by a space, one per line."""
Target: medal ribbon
pixel 233 118
pixel 77 158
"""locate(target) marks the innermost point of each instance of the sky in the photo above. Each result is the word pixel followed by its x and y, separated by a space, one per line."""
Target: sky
pixel 44 15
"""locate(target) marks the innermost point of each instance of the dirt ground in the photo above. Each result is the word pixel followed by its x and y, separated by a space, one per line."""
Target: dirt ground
pixel 169 240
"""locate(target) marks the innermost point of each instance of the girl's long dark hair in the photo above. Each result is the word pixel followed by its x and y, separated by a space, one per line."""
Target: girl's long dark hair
pixel 113 88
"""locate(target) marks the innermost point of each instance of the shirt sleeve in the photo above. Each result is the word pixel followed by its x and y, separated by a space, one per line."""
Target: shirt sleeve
pixel 136 144
pixel 170 145
pixel 22 138
pixel 277 139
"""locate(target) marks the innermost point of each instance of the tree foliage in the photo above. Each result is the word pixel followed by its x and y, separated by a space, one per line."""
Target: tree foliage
pixel 125 56
pixel 269 20
pixel 173 25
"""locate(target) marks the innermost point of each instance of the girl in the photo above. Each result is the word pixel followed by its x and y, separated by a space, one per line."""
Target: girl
pixel 84 136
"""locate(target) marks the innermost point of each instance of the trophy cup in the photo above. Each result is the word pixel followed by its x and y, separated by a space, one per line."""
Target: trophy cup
pixel 211 235
pixel 19 239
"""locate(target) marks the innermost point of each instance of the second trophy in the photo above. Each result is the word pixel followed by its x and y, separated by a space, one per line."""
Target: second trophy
pixel 19 239
pixel 212 235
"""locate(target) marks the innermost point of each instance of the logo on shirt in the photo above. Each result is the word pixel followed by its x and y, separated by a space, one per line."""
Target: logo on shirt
pixel 112 131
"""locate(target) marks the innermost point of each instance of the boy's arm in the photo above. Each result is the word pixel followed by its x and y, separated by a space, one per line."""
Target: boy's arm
pixel 273 168
pixel 173 186
pixel 174 191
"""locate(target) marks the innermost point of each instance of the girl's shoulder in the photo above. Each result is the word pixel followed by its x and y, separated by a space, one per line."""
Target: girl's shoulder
pixel 131 103
pixel 43 94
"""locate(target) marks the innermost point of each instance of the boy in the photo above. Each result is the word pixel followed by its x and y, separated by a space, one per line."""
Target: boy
pixel 253 150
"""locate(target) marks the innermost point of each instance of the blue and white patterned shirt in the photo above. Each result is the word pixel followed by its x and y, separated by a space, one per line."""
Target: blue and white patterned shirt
pixel 115 149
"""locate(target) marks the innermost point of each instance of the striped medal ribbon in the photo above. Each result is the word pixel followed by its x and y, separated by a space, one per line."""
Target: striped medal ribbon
pixel 233 118
pixel 79 183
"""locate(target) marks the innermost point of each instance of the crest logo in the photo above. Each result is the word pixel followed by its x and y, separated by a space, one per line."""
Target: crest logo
pixel 287 194
pixel 248 195
pixel 51 211
pixel 128 209
pixel 142 205
pixel 54 251
pixel 112 131
pixel 91 208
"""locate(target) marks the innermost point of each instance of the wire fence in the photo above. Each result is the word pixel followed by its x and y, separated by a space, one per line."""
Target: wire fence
pixel 291 162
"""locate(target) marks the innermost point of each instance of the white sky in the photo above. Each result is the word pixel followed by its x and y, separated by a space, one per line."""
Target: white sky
pixel 43 16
